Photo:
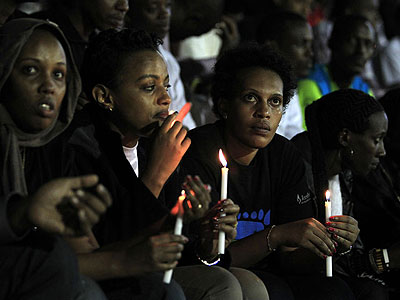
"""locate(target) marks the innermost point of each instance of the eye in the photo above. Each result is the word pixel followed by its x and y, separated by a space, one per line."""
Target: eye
pixel 275 101
pixel 59 74
pixel 29 70
pixel 149 88
pixel 250 98
pixel 167 87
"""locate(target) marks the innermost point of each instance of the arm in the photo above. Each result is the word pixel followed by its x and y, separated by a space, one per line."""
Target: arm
pixel 63 206
pixel 135 257
pixel 168 148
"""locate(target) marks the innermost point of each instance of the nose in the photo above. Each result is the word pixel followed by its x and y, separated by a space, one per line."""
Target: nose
pixel 47 85
pixel 164 99
pixel 164 11
pixel 263 110
pixel 122 5
pixel 381 149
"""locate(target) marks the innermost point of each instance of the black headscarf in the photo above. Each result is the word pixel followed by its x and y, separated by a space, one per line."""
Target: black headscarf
pixel 13 36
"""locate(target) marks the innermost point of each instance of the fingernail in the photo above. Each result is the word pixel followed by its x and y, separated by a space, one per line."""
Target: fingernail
pixel 335 236
pixel 197 177
pixel 336 244
pixel 331 229
pixel 332 218
pixel 74 200
pixel 101 188
pixel 80 193
pixel 324 256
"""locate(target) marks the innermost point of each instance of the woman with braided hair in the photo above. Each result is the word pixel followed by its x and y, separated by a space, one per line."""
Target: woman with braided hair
pixel 345 136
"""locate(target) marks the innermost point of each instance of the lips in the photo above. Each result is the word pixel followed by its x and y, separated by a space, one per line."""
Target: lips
pixel 46 108
pixel 162 115
pixel 117 22
pixel 261 128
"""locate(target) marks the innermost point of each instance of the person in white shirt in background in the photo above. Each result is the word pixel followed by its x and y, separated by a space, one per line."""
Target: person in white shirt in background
pixel 292 36
pixel 154 17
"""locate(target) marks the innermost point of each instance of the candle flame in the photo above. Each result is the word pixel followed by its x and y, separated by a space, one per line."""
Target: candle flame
pixel 328 195
pixel 222 158
pixel 178 208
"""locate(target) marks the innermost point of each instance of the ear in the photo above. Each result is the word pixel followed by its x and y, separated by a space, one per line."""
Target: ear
pixel 223 107
pixel 344 137
pixel 103 97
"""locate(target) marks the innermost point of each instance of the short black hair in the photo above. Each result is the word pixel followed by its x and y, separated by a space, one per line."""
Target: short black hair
pixel 250 55
pixel 272 25
pixel 343 26
pixel 104 58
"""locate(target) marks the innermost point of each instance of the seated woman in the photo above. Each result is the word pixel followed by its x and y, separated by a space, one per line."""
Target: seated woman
pixel 127 136
pixel 345 136
pixel 39 85
pixel 251 87
pixel 375 196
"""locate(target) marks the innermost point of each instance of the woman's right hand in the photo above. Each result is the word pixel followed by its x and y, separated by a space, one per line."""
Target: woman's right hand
pixel 154 254
pixel 306 233
pixel 168 148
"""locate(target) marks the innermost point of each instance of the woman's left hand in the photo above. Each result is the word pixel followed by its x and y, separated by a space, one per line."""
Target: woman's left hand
pixel 197 199
pixel 223 216
pixel 344 230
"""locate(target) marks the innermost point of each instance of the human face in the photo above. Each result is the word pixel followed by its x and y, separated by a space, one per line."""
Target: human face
pixel 151 15
pixel 368 146
pixel 355 49
pixel 195 17
pixel 296 45
pixel 106 14
pixel 254 113
pixel 141 100
pixel 37 84
pixel 301 7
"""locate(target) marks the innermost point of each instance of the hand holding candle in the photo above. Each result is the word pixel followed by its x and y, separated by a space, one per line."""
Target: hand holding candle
pixel 178 211
pixel 224 195
pixel 328 213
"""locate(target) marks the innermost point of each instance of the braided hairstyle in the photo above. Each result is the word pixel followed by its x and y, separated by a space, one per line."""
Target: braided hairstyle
pixel 325 119
pixel 105 56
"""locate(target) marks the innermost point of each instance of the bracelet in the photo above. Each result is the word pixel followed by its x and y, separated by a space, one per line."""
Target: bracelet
pixel 386 258
pixel 346 252
pixel 377 260
pixel 209 263
pixel 268 242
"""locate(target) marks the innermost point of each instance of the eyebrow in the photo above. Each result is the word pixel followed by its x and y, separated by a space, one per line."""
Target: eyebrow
pixel 253 90
pixel 38 61
pixel 150 76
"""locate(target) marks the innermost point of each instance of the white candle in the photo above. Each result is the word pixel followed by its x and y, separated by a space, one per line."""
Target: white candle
pixel 328 213
pixel 177 230
pixel 224 195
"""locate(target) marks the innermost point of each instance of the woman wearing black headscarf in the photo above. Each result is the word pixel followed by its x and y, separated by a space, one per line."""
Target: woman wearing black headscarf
pixel 39 85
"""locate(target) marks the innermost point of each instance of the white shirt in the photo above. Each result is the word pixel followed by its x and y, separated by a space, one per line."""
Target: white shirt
pixel 177 91
pixel 132 157
pixel 292 120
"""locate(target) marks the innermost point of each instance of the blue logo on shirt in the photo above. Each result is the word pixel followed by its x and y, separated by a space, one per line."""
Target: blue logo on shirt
pixel 249 224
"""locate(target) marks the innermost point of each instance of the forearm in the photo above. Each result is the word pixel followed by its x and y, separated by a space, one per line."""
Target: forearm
pixel 250 250
pixel 154 184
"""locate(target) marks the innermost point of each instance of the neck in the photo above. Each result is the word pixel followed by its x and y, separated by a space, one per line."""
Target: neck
pixel 333 163
pixel 240 153
pixel 126 139
pixel 82 24
pixel 341 78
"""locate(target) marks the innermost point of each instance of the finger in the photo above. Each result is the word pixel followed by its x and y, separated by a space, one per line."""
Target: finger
pixel 91 201
pixel 323 242
pixel 90 216
pixel 332 226
pixel 104 194
pixel 344 219
pixel 186 143
pixel 169 123
pixel 180 136
pixel 81 181
pixel 166 238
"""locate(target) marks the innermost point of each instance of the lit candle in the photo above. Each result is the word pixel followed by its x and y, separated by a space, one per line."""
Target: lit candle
pixel 328 213
pixel 224 195
pixel 178 211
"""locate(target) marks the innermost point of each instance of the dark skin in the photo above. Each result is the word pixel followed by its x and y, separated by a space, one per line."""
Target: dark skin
pixel 351 52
